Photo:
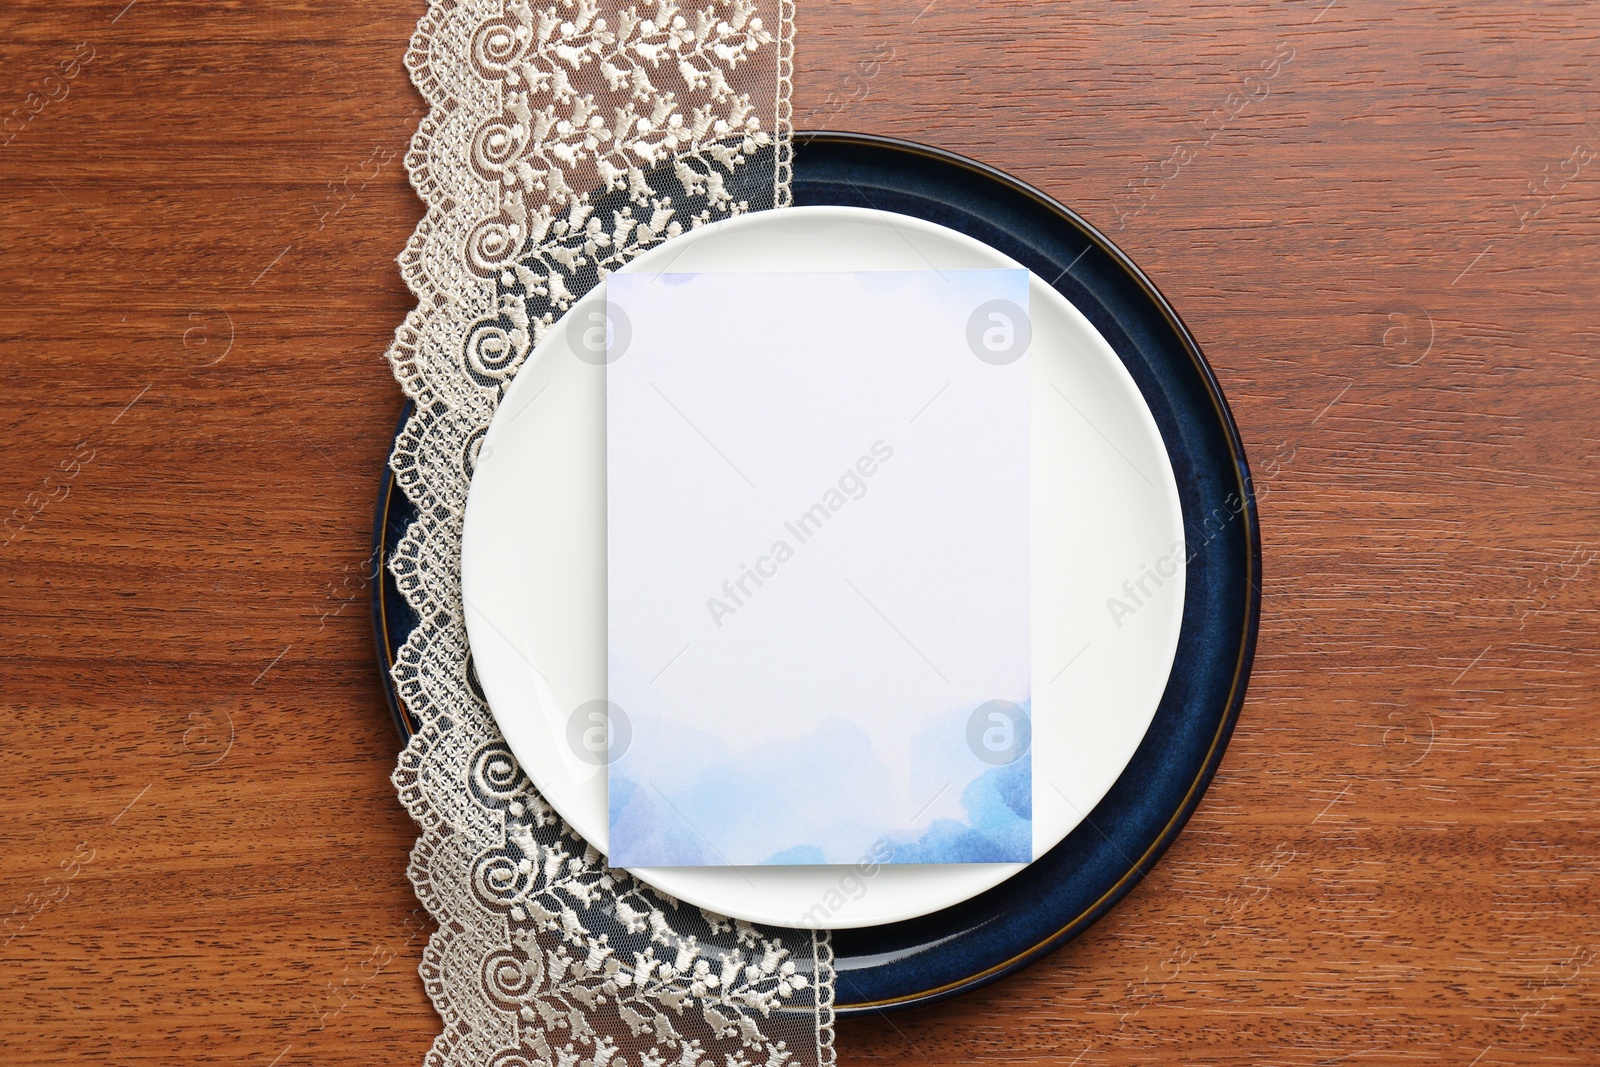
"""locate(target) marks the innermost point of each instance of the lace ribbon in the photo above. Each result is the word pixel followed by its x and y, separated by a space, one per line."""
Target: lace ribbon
pixel 563 138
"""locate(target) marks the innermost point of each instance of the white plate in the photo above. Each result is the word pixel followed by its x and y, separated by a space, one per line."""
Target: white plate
pixel 1105 511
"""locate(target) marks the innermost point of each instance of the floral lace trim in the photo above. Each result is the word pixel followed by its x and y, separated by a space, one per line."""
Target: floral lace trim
pixel 562 139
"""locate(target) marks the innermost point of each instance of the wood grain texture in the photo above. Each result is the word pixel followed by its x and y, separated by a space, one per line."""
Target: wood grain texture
pixel 1387 247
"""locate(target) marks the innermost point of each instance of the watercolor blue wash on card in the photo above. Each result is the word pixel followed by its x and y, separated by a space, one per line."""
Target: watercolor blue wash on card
pixel 819 567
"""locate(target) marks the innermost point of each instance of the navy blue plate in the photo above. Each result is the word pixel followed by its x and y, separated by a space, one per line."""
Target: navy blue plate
pixel 1063 892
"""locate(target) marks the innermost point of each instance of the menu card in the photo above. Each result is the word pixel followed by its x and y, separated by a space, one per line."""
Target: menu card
pixel 818 568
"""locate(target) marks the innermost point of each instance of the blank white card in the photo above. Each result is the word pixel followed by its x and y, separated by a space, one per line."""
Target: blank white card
pixel 818 568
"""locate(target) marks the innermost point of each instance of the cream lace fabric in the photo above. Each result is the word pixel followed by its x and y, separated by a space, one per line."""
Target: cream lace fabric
pixel 563 138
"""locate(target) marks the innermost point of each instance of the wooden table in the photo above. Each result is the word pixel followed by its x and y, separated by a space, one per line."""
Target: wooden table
pixel 1379 219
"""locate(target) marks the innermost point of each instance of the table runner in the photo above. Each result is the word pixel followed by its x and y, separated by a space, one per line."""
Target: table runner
pixel 562 139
